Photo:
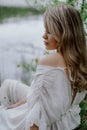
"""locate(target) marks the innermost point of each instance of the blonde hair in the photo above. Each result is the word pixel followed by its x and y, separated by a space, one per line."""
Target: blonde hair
pixel 64 22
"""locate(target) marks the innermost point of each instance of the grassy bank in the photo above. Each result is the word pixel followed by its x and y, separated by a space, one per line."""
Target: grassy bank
pixel 6 12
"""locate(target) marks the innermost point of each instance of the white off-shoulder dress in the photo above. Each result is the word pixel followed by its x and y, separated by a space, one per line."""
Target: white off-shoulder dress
pixel 48 102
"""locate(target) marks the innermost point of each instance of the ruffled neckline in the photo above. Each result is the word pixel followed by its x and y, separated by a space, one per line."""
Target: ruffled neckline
pixel 46 68
pixel 51 67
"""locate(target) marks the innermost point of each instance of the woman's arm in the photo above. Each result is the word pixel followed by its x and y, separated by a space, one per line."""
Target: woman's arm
pixel 17 104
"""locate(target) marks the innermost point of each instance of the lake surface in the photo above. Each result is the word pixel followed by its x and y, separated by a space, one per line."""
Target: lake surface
pixel 20 39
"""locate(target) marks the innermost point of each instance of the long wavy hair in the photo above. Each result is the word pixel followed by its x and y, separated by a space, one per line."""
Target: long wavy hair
pixel 65 23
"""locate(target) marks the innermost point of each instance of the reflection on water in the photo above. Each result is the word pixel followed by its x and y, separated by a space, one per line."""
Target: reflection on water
pixel 20 38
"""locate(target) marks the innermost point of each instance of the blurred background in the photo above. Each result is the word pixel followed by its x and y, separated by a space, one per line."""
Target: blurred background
pixel 21 30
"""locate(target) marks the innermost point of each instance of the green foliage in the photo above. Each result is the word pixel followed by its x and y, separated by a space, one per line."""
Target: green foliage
pixel 6 12
pixel 28 70
pixel 70 2
pixel 29 66
pixel 83 114
pixel 83 12
pixel 56 2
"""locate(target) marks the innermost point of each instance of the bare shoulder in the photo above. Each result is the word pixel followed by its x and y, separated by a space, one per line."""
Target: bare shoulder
pixel 52 60
pixel 46 59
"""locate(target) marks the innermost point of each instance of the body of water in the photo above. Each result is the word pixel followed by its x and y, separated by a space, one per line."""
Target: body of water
pixel 20 38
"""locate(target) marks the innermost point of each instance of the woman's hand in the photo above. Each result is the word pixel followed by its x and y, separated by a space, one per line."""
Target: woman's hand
pixel 17 104
pixel 34 127
pixel 12 106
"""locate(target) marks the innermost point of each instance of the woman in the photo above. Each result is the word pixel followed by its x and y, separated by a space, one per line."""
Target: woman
pixel 52 101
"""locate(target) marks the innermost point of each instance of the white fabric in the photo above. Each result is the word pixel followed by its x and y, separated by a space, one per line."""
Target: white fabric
pixel 12 91
pixel 48 102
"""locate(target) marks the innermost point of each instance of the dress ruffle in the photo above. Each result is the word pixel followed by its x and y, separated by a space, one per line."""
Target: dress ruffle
pixel 69 121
